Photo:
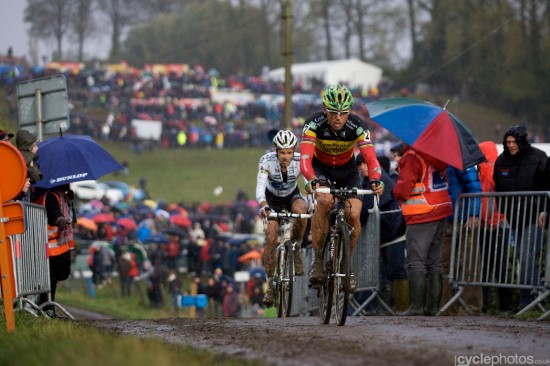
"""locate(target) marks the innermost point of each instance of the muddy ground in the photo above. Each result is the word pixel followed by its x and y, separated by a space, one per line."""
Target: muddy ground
pixel 373 340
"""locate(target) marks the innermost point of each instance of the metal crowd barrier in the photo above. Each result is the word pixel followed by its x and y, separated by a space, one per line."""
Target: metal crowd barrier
pixel 512 253
pixel 364 265
pixel 304 299
pixel 30 262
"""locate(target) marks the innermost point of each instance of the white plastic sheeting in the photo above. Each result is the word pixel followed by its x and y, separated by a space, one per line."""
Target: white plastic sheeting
pixel 350 72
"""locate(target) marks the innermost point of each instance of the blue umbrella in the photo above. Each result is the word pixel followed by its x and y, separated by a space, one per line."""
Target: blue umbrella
pixel 157 239
pixel 73 158
pixel 258 272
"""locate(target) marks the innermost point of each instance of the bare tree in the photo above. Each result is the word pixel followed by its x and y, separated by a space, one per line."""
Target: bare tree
pixel 49 19
pixel 347 7
pixel 322 10
pixel 412 30
pixel 361 9
pixel 82 22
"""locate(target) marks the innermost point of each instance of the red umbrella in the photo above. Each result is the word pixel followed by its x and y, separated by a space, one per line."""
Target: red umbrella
pixel 103 218
pixel 180 220
pixel 428 128
pixel 126 222
pixel 87 223
pixel 251 255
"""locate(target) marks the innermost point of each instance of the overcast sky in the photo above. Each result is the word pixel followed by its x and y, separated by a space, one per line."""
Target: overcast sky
pixel 13 32
pixel 12 27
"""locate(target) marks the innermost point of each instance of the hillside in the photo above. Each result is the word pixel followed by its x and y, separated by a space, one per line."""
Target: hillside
pixel 192 175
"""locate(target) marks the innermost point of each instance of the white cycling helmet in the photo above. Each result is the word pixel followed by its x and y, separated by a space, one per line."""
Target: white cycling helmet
pixel 285 140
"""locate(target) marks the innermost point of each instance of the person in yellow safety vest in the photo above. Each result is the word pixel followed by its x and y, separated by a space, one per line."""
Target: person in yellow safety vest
pixel 422 189
pixel 219 140
pixel 182 138
pixel 60 218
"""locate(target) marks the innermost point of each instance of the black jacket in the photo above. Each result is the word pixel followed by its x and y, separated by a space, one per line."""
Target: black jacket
pixel 523 171
pixel 392 224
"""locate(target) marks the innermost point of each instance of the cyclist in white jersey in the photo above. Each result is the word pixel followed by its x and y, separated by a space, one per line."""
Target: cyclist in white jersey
pixel 277 190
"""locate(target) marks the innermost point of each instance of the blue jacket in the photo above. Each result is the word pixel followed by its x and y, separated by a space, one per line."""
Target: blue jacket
pixel 464 181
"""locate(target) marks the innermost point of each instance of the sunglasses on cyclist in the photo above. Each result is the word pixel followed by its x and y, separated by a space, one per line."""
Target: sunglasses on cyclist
pixel 337 113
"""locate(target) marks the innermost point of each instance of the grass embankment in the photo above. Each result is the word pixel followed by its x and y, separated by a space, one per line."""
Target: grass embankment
pixel 108 300
pixel 41 342
pixel 190 175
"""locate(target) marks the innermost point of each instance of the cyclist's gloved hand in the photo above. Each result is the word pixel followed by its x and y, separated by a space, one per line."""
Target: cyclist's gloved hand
pixel 311 184
pixel 377 186
pixel 265 210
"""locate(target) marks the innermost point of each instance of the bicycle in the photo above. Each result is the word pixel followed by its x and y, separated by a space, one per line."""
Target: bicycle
pixel 337 257
pixel 284 272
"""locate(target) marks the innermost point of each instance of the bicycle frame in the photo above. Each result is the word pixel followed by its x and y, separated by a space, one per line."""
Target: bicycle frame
pixel 285 262
pixel 336 289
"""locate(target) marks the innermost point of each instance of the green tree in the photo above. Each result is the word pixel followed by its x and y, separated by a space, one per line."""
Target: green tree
pixel 209 33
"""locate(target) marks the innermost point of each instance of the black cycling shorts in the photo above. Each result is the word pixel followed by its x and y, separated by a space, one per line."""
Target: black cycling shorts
pixel 343 176
pixel 278 204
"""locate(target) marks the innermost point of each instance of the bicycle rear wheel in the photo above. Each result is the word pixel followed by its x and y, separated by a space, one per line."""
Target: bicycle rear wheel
pixel 286 282
pixel 325 291
pixel 342 273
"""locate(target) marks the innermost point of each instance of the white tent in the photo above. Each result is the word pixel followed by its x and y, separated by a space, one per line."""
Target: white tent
pixel 351 72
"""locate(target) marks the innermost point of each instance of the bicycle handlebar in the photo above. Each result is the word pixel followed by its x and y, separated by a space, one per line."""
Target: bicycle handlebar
pixel 345 191
pixel 275 215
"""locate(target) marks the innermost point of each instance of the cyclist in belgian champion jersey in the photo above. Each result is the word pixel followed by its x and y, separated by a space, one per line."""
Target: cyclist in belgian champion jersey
pixel 327 159
pixel 277 189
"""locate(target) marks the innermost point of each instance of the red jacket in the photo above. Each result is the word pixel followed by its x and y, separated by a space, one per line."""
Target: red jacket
pixel 488 217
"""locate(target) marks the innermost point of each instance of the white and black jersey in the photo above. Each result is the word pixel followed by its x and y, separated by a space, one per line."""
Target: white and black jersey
pixel 271 178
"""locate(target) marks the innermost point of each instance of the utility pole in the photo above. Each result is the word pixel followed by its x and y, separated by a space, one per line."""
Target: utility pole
pixel 287 54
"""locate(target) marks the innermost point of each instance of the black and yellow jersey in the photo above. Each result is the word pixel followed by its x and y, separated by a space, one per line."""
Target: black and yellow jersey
pixel 335 148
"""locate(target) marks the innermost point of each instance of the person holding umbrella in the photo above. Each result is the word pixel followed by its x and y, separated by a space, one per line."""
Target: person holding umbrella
pixel 27 144
pixel 422 189
pixel 63 160
pixel 60 216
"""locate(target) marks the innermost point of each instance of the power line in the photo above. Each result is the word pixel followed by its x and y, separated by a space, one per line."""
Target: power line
pixel 462 53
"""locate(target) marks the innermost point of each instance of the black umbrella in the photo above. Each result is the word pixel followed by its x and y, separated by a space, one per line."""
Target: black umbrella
pixel 175 231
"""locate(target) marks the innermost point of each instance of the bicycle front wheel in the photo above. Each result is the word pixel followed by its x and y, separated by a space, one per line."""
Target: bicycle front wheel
pixel 286 282
pixel 325 291
pixel 342 273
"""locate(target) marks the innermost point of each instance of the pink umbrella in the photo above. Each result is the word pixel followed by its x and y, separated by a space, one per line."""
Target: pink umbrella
pixel 97 204
pixel 211 120
pixel 252 203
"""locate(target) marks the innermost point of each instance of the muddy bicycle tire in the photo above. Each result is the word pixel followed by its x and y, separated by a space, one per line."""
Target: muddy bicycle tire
pixel 286 283
pixel 277 280
pixel 342 273
pixel 324 292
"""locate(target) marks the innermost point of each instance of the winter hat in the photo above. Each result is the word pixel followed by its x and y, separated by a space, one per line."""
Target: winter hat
pixel 3 134
pixel 520 134
pixel 25 140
